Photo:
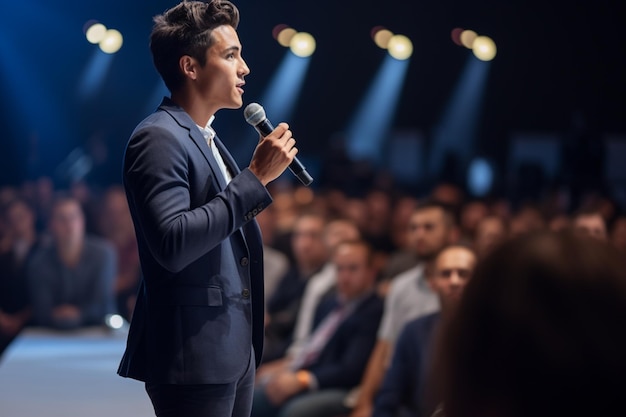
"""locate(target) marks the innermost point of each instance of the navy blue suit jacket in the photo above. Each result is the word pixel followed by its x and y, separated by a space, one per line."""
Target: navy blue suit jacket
pixel 200 305
pixel 343 359
pixel 403 386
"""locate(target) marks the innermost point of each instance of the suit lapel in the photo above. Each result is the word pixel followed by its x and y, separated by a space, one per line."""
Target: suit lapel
pixel 183 119
pixel 229 161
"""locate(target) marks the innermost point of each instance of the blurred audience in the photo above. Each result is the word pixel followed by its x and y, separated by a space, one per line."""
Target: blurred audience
pixel 71 280
pixel 490 232
pixel 116 225
pixel 15 306
pixel 591 223
pixel 310 254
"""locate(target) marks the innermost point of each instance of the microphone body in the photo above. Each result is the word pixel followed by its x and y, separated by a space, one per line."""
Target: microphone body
pixel 255 116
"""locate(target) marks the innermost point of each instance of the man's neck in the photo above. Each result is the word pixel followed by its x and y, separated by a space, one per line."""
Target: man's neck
pixel 199 111
pixel 70 254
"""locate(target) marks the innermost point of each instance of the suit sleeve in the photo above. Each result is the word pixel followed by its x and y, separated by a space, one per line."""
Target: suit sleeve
pixel 397 382
pixel 156 171
pixel 347 369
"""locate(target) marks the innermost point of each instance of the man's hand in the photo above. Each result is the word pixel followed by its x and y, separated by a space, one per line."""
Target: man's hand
pixel 273 154
pixel 282 386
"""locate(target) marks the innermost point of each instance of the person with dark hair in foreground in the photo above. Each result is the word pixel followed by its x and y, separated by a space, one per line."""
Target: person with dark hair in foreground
pixel 197 328
pixel 539 332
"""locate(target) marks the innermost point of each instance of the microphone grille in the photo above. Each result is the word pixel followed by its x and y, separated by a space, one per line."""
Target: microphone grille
pixel 254 113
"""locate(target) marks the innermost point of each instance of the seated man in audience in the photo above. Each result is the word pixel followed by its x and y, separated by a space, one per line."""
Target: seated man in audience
pixel 23 241
pixel 71 280
pixel 402 392
pixel 283 305
pixel 432 227
pixel 315 382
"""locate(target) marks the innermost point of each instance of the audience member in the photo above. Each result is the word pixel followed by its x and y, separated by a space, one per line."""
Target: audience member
pixel 432 227
pixel 403 257
pixel 282 308
pixel 471 214
pixel 319 285
pixel 405 384
pixel 315 382
pixel 539 332
pixel 275 262
pixel 116 225
pixel 71 280
pixel 490 232
pixel 15 310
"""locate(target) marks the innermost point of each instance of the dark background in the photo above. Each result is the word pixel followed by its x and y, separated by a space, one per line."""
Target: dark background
pixel 560 69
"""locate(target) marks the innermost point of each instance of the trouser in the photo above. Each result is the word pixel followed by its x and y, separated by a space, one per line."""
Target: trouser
pixel 206 400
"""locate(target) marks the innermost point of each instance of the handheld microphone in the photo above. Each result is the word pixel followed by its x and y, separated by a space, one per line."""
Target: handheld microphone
pixel 255 116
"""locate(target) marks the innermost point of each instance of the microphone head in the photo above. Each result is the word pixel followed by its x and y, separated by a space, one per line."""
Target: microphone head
pixel 254 113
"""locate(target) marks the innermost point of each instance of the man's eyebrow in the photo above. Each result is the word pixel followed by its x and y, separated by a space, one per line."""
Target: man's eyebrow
pixel 233 48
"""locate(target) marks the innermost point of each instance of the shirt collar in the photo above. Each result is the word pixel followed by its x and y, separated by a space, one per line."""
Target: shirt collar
pixel 207 131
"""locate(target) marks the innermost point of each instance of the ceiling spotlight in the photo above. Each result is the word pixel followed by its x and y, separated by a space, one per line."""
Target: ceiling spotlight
pixel 112 41
pixel 400 47
pixel 484 48
pixel 302 44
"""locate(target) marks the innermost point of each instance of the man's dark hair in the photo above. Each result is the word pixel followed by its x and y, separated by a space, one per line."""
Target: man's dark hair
pixel 449 213
pixel 186 29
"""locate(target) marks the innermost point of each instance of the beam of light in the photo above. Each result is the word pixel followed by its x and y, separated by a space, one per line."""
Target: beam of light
pixel 36 107
pixel 366 132
pixel 480 177
pixel 284 89
pixel 455 134
pixel 279 100
pixel 95 73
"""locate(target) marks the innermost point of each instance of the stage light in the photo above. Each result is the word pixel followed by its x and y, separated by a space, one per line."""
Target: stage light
pixel 285 36
pixel 114 321
pixel 112 41
pixel 381 36
pixel 467 38
pixel 484 48
pixel 480 177
pixel 302 44
pixel 400 47
pixel 278 29
pixel 456 36
pixel 96 33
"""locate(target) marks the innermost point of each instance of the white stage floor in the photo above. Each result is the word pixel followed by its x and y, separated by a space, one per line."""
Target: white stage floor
pixel 71 374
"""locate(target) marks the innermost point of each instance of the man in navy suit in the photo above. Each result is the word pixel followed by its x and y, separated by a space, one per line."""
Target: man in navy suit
pixel 331 362
pixel 197 329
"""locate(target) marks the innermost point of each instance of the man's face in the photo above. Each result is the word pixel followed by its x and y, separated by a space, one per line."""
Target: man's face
pixel 21 220
pixel 453 268
pixel 67 224
pixel 220 82
pixel 307 242
pixel 355 275
pixel 428 232
pixel 592 225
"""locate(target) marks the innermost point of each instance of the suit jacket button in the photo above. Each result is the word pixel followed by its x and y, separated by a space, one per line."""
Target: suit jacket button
pixel 244 261
pixel 245 293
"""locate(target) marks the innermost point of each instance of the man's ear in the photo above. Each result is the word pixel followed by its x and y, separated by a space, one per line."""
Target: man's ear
pixel 188 66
